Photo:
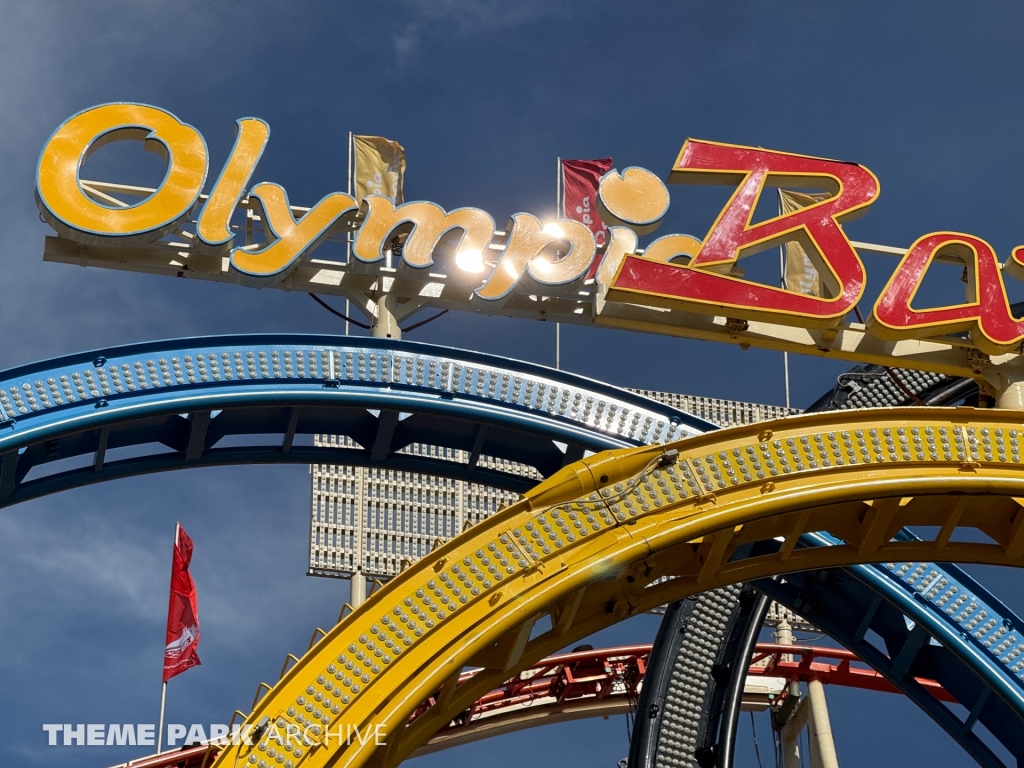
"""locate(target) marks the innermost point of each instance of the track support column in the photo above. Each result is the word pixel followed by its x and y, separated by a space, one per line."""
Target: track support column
pixel 823 745
pixel 1009 385
pixel 1012 397
pixel 812 712
pixel 357 588
pixel 784 636
pixel 385 324
pixel 791 736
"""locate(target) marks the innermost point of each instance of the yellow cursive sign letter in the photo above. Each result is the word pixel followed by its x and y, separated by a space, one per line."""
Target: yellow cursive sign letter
pixel 214 225
pixel 531 251
pixel 68 209
pixel 292 238
pixel 429 224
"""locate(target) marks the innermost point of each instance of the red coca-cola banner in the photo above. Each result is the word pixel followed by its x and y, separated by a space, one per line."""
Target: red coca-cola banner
pixel 580 179
pixel 182 612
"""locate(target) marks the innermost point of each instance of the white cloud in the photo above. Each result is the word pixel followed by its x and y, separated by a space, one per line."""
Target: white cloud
pixel 458 19
pixel 83 561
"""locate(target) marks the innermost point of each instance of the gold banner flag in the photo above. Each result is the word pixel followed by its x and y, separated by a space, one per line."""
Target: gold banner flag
pixel 800 273
pixel 380 168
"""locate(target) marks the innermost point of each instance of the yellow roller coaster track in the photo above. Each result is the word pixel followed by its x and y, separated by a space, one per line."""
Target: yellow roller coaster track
pixel 589 547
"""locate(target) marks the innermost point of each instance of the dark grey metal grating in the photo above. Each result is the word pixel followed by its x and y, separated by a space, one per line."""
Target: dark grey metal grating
pixel 673 713
pixel 871 386
pixel 689 690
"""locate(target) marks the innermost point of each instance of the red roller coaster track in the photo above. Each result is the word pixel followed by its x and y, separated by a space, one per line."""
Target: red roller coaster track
pixel 800 663
pixel 604 682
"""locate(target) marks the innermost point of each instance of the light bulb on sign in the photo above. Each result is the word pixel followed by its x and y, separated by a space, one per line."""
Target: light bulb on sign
pixel 470 260
pixel 553 229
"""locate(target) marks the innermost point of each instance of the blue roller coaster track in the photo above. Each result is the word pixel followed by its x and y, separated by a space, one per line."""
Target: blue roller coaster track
pixel 187 403
pixel 925 620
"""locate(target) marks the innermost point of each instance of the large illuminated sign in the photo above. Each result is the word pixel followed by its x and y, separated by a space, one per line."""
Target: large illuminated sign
pixel 461 259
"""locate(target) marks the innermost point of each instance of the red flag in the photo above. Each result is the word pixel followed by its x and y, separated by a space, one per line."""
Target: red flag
pixel 580 179
pixel 182 612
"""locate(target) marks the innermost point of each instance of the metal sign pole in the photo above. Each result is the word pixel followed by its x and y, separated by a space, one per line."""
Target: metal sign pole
pixel 357 582
pixel 559 214
pixel 348 258
pixel 782 284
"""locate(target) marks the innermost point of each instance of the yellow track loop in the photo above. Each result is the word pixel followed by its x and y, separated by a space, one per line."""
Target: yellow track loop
pixel 584 548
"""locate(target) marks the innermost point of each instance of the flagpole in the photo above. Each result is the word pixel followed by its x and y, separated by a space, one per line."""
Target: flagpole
pixel 163 688
pixel 348 260
pixel 160 728
pixel 356 582
pixel 559 214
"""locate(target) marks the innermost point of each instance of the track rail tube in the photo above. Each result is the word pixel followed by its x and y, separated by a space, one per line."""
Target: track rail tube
pixel 734 694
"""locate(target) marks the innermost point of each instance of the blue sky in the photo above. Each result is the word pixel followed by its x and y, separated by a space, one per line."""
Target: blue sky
pixel 484 96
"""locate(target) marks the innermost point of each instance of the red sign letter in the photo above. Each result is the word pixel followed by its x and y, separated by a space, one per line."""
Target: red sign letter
pixel 985 314
pixel 701 286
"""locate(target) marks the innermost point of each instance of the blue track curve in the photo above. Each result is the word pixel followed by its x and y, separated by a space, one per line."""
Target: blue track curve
pixel 185 403
pixel 912 620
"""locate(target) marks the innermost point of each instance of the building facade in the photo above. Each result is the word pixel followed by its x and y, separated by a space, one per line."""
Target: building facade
pixel 369 523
